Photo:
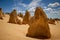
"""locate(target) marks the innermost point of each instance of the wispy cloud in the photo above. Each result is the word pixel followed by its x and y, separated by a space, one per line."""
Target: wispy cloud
pixel 34 3
pixel 22 4
pixel 30 7
pixel 54 4
pixel 52 13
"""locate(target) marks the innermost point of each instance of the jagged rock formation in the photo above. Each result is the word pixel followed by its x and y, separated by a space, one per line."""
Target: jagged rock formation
pixel 39 27
pixel 1 14
pixel 20 15
pixel 13 18
pixel 26 18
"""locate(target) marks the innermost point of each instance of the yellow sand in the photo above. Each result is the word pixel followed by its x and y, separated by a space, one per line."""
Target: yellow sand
pixel 10 31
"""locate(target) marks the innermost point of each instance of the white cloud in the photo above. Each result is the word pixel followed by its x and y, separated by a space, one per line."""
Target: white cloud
pixel 48 9
pixel 52 11
pixel 32 10
pixel 30 7
pixel 54 4
pixel 34 3
pixel 24 5
pixel 18 9
pixel 21 11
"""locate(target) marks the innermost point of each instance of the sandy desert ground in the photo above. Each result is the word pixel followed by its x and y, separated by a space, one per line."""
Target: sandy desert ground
pixel 10 31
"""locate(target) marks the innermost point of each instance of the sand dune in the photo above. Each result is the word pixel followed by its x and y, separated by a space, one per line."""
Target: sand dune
pixel 10 31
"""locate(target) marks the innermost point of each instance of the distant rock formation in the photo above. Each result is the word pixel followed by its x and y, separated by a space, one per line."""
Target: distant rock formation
pixel 1 14
pixel 7 13
pixel 13 18
pixel 57 20
pixel 51 21
pixel 26 18
pixel 20 15
pixel 39 27
pixel 19 21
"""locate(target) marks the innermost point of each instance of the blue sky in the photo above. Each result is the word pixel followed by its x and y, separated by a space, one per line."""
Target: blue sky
pixel 51 7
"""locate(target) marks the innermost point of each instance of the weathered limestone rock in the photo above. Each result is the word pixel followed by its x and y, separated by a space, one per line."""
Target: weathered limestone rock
pixel 20 15
pixel 19 21
pixel 1 14
pixel 51 21
pixel 39 27
pixel 26 18
pixel 13 18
